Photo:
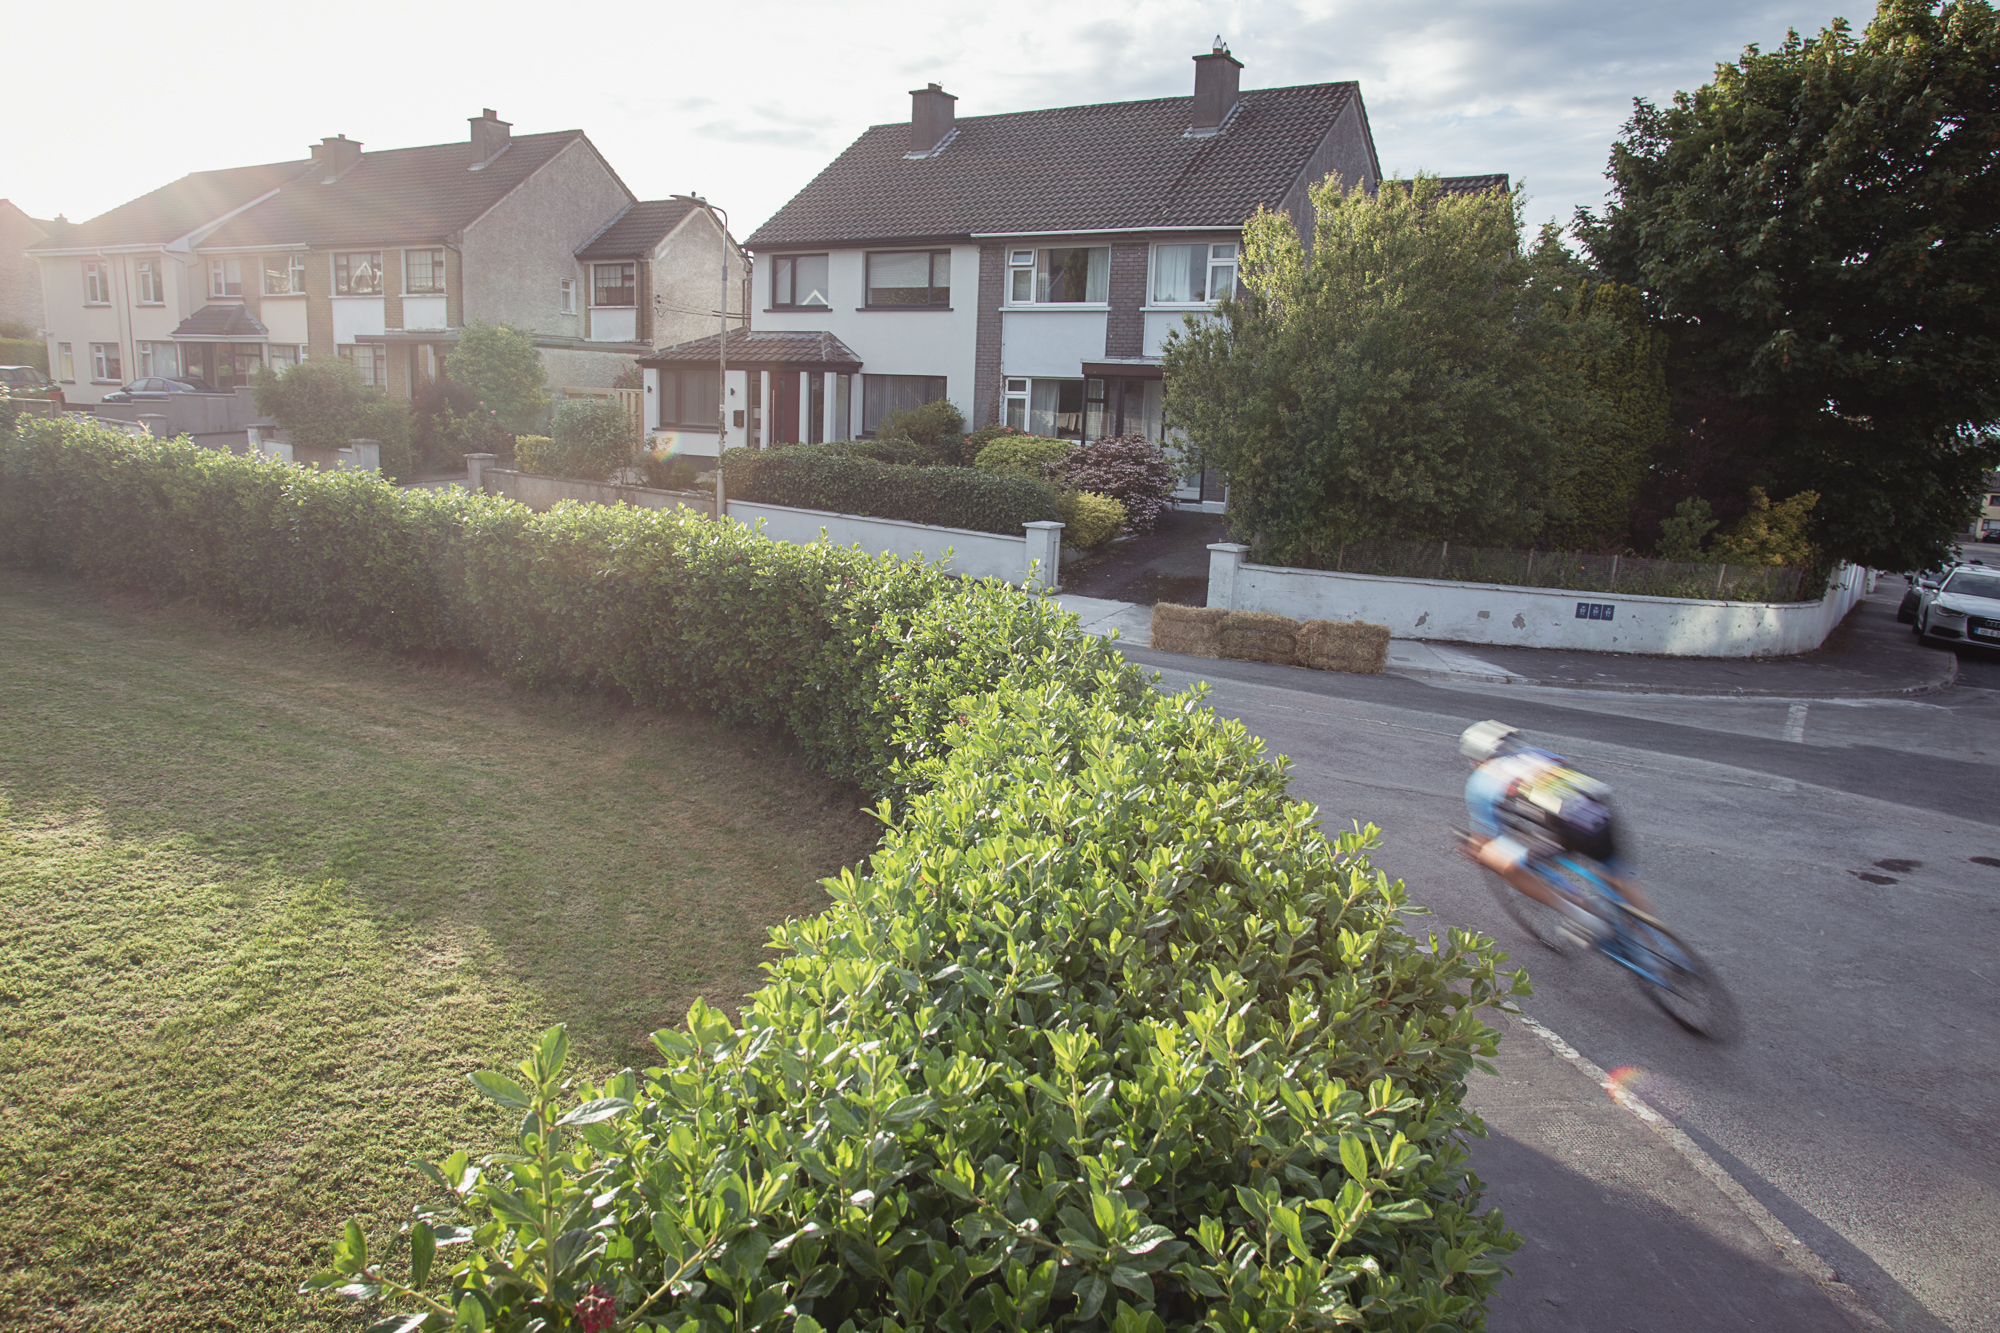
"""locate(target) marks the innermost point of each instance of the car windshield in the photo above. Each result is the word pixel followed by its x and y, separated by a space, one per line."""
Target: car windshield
pixel 1967 583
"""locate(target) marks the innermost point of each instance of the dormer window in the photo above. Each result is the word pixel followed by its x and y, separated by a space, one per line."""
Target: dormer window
pixel 1194 274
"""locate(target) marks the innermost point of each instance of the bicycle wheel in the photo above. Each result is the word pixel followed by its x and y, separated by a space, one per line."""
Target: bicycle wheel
pixel 1548 927
pixel 1678 981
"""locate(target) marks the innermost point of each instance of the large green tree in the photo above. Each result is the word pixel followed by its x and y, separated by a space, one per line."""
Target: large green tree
pixel 1606 448
pixel 501 367
pixel 1820 229
pixel 1398 379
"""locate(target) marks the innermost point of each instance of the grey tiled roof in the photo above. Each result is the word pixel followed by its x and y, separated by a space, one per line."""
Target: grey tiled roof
pixel 1468 184
pixel 634 233
pixel 221 321
pixel 172 211
pixel 1083 168
pixel 398 196
pixel 761 347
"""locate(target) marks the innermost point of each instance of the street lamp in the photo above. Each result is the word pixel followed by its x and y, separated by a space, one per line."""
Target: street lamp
pixel 721 355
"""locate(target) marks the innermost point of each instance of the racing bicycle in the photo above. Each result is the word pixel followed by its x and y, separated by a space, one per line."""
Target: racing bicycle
pixel 1667 968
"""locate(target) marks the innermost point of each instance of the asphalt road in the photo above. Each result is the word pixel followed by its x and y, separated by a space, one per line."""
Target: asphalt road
pixel 1821 856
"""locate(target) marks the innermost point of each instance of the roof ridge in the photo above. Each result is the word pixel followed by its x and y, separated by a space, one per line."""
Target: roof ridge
pixel 1136 101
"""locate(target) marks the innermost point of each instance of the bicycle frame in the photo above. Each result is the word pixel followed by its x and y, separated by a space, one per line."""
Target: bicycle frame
pixel 1619 949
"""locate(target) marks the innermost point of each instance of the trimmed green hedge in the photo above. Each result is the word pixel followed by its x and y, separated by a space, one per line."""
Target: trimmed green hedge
pixel 1107 1037
pixel 25 352
pixel 830 478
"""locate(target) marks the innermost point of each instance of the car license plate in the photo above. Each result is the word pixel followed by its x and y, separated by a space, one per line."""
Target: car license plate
pixel 1985 633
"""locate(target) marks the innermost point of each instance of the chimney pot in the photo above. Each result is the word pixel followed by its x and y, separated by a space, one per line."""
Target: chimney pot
pixel 931 117
pixel 1215 88
pixel 490 135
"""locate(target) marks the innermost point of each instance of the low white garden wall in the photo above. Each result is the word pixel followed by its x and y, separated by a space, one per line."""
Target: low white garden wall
pixel 1486 613
pixel 1033 557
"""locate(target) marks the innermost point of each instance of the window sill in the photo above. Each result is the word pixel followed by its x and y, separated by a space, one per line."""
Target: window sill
pixel 357 296
pixel 1191 307
pixel 896 309
pixel 1071 306
pixel 97 305
pixel 439 292
pixel 150 305
pixel 281 296
pixel 827 309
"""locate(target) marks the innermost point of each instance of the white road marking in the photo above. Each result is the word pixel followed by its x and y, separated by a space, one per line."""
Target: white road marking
pixel 1795 723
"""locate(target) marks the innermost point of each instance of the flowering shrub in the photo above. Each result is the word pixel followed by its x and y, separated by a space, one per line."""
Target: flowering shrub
pixel 1108 1035
pixel 1129 468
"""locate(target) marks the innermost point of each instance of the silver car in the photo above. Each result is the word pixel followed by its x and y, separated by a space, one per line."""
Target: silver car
pixel 1965 608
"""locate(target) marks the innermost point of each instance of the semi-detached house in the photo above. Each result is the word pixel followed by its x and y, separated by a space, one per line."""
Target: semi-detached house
pixel 1029 266
pixel 381 257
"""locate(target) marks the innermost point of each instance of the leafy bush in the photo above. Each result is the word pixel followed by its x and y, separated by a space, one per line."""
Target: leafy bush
pixel 24 351
pixel 1770 534
pixel 1021 455
pixel 889 450
pixel 1108 1035
pixel 323 404
pixel 535 453
pixel 594 437
pixel 937 428
pixel 670 474
pixel 810 476
pixel 503 371
pixel 977 441
pixel 1089 519
pixel 1682 535
pixel 449 423
pixel 1130 469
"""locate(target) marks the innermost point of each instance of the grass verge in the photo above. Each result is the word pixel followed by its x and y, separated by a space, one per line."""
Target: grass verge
pixel 266 900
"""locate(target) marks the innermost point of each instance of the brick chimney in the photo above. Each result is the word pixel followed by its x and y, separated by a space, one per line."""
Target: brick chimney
pixel 1215 76
pixel 335 155
pixel 930 118
pixel 490 135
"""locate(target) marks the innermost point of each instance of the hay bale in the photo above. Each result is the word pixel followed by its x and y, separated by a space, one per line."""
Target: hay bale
pixel 1344 645
pixel 1187 629
pixel 1260 636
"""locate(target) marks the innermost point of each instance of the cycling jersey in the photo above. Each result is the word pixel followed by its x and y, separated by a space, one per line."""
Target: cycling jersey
pixel 1531 801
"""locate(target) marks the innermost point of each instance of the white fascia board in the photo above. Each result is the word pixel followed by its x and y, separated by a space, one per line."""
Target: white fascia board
pixel 1102 231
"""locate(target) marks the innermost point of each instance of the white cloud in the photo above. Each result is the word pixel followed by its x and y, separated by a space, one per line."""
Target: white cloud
pixel 746 102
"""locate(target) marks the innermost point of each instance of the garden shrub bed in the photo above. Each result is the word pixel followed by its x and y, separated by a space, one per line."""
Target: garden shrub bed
pixel 830 478
pixel 1107 1035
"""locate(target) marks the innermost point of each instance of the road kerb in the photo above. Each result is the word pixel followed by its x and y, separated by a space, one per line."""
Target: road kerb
pixel 1796 1252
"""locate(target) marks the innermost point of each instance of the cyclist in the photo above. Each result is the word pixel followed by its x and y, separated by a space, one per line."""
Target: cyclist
pixel 1526 802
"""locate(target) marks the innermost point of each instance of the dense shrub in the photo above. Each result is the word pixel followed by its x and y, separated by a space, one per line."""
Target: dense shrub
pixel 937 428
pixel 810 476
pixel 503 371
pixel 448 423
pixel 1129 468
pixel 670 474
pixel 1021 455
pixel 887 450
pixel 976 441
pixel 1107 1037
pixel 24 351
pixel 1089 519
pixel 594 437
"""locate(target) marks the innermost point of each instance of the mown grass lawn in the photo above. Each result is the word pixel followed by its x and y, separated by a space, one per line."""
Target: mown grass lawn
pixel 266 900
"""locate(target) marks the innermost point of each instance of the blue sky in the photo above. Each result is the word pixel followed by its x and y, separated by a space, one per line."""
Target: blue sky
pixel 744 102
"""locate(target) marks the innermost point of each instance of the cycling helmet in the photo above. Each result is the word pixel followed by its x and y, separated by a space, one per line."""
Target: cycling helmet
pixel 1487 740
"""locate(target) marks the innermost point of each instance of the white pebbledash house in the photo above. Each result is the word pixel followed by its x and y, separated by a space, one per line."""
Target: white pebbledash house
pixel 1025 266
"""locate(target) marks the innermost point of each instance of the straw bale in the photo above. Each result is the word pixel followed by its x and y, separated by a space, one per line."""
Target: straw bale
pixel 1344 645
pixel 1260 636
pixel 1187 629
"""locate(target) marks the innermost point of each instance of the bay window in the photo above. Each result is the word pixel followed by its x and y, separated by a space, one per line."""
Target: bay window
pixel 1194 274
pixel 909 278
pixel 358 273
pixel 1060 275
pixel 798 280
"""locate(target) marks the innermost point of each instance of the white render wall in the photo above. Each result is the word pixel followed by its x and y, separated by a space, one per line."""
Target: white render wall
pixel 889 342
pixel 1485 613
pixel 1035 556
pixel 1051 344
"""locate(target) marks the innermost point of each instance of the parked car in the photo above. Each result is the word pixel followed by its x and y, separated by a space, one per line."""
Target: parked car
pixel 1920 583
pixel 1965 607
pixel 29 382
pixel 156 389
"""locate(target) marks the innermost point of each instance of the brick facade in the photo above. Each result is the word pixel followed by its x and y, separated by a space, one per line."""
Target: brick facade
pixel 986 396
pixel 1125 329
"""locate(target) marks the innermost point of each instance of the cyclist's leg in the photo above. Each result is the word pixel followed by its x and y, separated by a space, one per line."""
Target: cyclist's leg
pixel 1508 858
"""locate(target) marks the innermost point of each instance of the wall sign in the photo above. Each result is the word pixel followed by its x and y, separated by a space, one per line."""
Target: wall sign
pixel 1594 611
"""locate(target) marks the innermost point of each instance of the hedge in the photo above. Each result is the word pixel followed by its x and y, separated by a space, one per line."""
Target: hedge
pixel 25 352
pixel 1107 1036
pixel 830 478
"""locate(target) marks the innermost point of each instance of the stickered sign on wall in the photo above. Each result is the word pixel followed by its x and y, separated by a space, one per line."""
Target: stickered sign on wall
pixel 1595 610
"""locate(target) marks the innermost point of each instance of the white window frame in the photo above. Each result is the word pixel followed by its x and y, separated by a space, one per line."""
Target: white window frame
pixel 295 276
pixel 96 282
pixel 218 277
pixel 1032 270
pixel 566 296
pixel 102 369
pixel 1017 396
pixel 147 370
pixel 1216 263
pixel 66 360
pixel 147 278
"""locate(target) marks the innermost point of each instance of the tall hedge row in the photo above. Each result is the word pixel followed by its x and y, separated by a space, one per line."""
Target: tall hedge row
pixel 832 477
pixel 1107 1036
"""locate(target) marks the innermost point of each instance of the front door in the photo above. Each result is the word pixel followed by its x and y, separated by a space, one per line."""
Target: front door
pixel 785 407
